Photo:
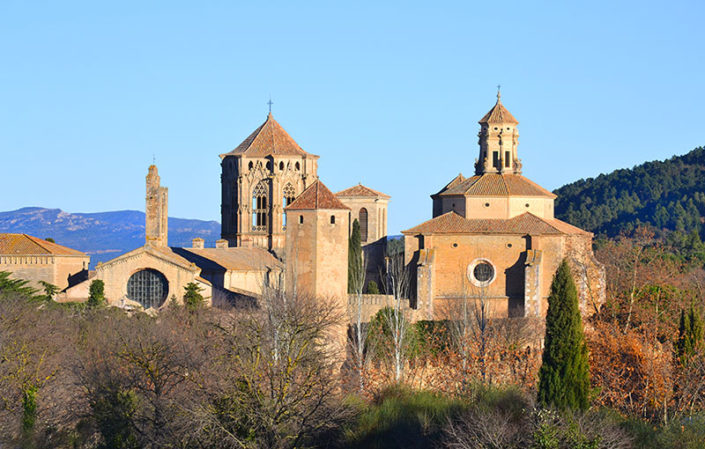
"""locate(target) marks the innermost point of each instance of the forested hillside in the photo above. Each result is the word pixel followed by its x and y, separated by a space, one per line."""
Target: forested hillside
pixel 668 196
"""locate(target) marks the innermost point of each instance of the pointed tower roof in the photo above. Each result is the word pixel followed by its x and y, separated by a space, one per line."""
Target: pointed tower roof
pixel 498 114
pixel 316 196
pixel 269 139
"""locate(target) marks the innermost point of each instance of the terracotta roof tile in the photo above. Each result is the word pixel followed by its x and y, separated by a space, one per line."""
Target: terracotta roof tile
pixel 236 259
pixel 269 139
pixel 316 196
pixel 498 114
pixel 360 190
pixel 526 223
pixel 496 184
pixel 27 244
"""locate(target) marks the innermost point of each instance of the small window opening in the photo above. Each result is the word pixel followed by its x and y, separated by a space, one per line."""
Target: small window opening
pixel 332 219
pixel 495 159
pixel 301 219
pixel 250 165
pixel 298 166
pixel 527 204
pixel 507 157
pixel 281 166
pixel 487 204
pixel 455 245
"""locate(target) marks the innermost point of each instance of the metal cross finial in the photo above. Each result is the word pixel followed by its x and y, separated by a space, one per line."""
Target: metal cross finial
pixel 270 103
pixel 154 159
pixel 499 94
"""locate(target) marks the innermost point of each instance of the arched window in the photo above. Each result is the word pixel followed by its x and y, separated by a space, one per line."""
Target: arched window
pixel 288 197
pixel 363 224
pixel 148 287
pixel 259 207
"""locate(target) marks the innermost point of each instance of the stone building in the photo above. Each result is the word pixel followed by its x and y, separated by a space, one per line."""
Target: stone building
pixel 494 236
pixel 148 276
pixel 34 259
pixel 369 208
pixel 317 243
pixel 259 178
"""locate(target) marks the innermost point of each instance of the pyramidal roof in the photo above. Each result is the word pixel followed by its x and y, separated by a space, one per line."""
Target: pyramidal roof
pixel 495 184
pixel 269 139
pixel 27 244
pixel 498 114
pixel 526 223
pixel 316 196
pixel 360 190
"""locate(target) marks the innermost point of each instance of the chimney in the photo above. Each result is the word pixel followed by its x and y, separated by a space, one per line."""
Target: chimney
pixel 198 243
pixel 221 243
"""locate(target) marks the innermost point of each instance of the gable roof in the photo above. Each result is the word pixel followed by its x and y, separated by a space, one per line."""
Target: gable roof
pixel 360 190
pixel 27 244
pixel 269 139
pixel 498 114
pixel 526 223
pixel 316 196
pixel 163 253
pixel 495 184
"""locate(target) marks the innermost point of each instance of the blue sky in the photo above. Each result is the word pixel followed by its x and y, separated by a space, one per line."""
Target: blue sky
pixel 387 93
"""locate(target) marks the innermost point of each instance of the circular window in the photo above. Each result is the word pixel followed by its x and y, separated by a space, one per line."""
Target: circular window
pixel 481 272
pixel 148 287
pixel 487 204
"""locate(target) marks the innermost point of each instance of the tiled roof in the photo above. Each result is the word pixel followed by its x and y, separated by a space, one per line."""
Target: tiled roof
pixel 526 223
pixel 269 139
pixel 360 190
pixel 27 244
pixel 495 184
pixel 498 114
pixel 316 196
pixel 235 259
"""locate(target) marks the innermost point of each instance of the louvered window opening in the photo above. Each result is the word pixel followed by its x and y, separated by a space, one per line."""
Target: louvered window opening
pixel 148 287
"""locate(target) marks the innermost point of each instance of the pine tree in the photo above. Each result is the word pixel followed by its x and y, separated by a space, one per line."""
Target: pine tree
pixel 564 377
pixel 192 296
pixel 690 335
pixel 354 257
pixel 10 286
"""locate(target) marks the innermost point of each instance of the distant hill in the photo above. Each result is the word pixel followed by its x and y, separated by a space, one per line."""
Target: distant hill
pixel 102 235
pixel 667 195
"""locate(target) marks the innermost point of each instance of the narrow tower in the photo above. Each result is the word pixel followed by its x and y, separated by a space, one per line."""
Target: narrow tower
pixel 498 142
pixel 156 217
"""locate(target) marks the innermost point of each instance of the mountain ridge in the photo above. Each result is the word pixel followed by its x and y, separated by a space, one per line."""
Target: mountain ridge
pixel 102 235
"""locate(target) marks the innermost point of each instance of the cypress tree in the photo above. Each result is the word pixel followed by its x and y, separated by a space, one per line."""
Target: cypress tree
pixel 564 377
pixel 690 335
pixel 354 257
pixel 96 294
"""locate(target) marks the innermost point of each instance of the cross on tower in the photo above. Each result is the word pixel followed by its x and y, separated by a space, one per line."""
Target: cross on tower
pixel 270 103
pixel 499 94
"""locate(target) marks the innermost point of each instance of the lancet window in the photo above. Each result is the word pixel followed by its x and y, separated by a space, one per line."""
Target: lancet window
pixel 260 207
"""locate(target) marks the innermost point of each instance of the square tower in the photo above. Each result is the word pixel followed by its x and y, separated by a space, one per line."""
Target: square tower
pixel 259 178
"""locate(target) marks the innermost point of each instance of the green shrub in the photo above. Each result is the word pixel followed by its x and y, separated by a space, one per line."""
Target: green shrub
pixel 372 288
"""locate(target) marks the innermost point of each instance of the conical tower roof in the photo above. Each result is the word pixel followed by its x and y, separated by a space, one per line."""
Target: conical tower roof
pixel 498 114
pixel 269 139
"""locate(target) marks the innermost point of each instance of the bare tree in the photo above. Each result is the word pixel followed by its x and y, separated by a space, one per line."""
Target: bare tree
pixel 397 277
pixel 358 334
pixel 276 376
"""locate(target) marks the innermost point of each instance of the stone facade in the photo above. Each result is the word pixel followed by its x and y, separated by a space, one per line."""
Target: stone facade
pixel 156 230
pixel 317 244
pixel 259 178
pixel 34 259
pixel 493 237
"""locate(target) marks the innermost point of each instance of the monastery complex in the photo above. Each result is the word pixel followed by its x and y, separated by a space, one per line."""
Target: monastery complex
pixel 492 235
